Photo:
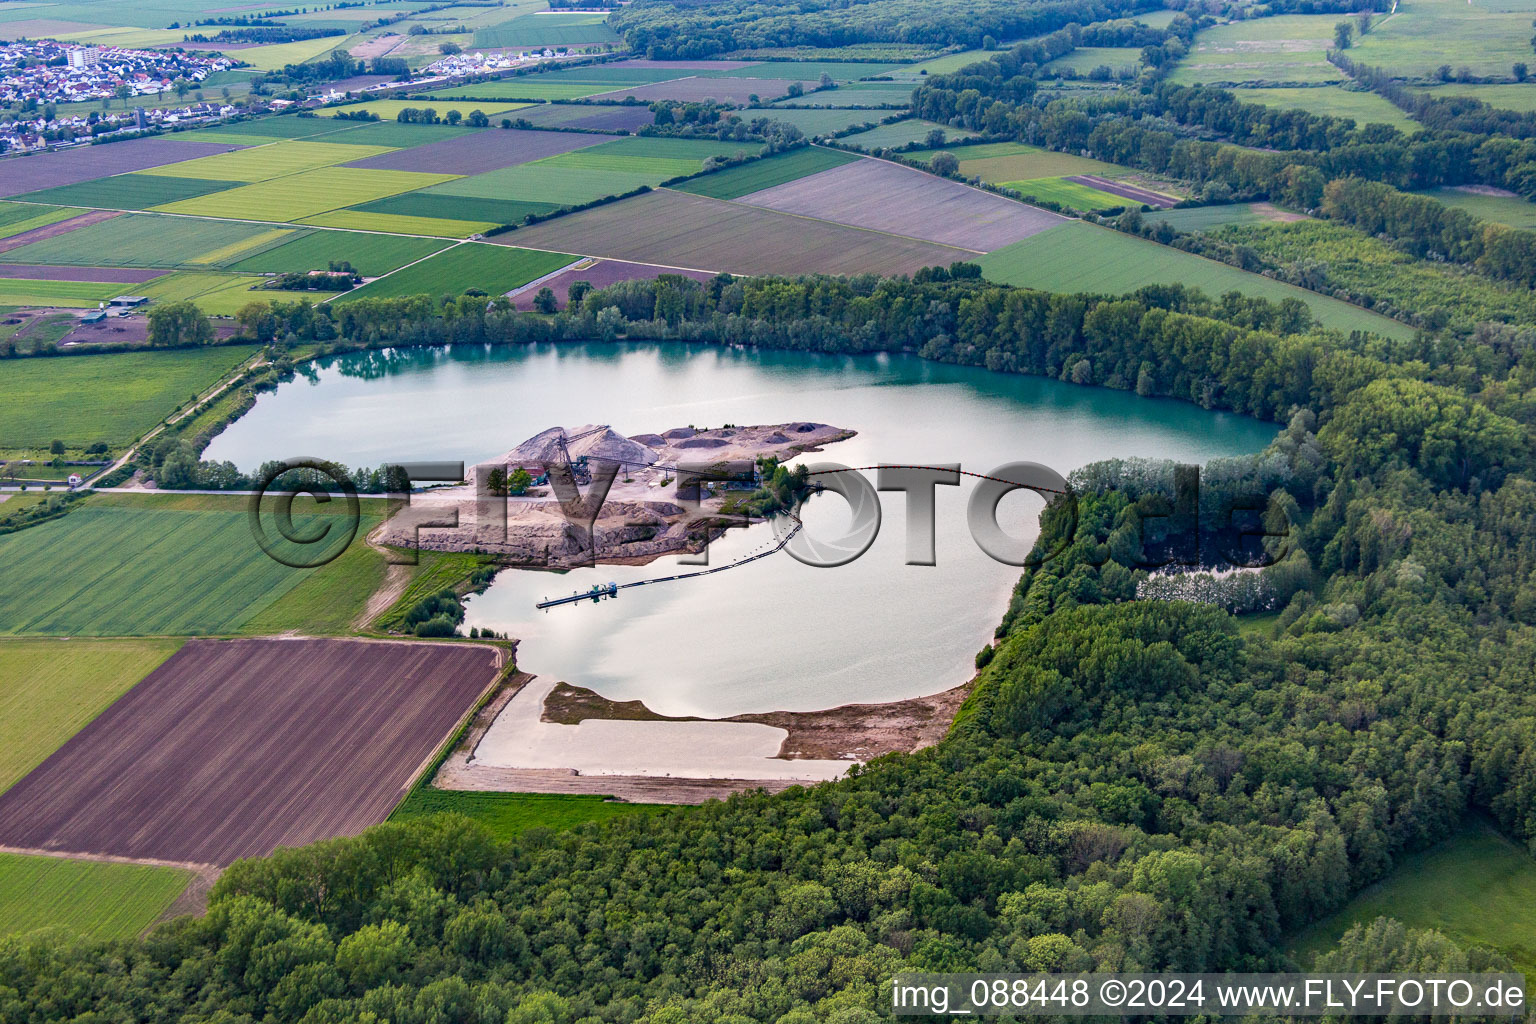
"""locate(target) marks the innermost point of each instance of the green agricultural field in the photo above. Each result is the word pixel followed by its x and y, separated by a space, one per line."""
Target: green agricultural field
pixel 549 30
pixel 1260 51
pixel 492 268
pixel 947 64
pixel 997 162
pixel 51 689
pixel 428 227
pixel 128 191
pixel 1520 97
pixel 1083 258
pixel 395 135
pixel 653 157
pixel 1204 218
pixel 268 129
pixel 94 900
pixel 1424 34
pixel 112 398
pixel 1085 58
pixel 507 815
pixel 151 565
pixel 18 217
pixel 1334 101
pixel 370 255
pixel 814 121
pixel 16 291
pixel 261 163
pixel 546 86
pixel 1510 210
pixel 1068 193
pixel 903 133
pixel 570 179
pixel 805 70
pixel 735 182
pixel 244 248
pixel 1476 888
pixel 389 110
pixel 278 55
pixel 306 194
pixel 541 182
pixel 857 94
pixel 475 213
pixel 139 240
pixel 214 294
pixel 23 217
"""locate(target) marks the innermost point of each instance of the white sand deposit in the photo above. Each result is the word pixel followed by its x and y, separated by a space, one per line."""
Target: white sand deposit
pixel 682 750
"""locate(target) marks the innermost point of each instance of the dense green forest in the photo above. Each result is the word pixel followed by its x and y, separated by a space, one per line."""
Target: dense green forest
pixel 1132 784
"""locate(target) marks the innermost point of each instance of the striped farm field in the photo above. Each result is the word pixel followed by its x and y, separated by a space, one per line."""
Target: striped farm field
pixel 1082 257
pixel 50 690
pixel 570 179
pixel 263 162
pixel 1068 193
pixel 94 900
pixel 426 227
pixel 214 294
pixel 112 398
pixel 244 248
pixel 76 294
pixel 549 29
pixel 16 218
pixel 305 194
pixel 858 94
pixel 694 232
pixel 128 191
pixel 462 209
pixel 494 269
pixel 175 570
pixel 370 255
pixel 137 240
pixel 277 55
pixel 735 182
pixel 889 197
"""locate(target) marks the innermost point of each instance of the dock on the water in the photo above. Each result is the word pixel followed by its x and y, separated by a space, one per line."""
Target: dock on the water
pixel 597 593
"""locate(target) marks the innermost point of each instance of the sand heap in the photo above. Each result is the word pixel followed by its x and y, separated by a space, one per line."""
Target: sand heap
pixel 602 444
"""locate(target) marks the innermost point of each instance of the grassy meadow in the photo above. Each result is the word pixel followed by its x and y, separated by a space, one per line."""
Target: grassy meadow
pixel 492 268
pixel 1476 888
pixel 51 689
pixel 113 398
pixel 507 815
pixel 93 900
pixel 1082 257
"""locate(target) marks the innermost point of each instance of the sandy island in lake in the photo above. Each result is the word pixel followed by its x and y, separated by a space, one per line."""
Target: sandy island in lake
pixel 642 517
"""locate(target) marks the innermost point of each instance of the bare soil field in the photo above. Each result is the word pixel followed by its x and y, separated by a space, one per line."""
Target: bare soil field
pixel 57 228
pixel 685 230
pixel 601 274
pixel 489 150
pixel 115 330
pixel 38 272
pixel 883 196
pixel 84 163
pixel 726 90
pixel 233 748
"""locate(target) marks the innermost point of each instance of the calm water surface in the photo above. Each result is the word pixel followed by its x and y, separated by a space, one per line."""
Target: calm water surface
pixel 775 634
